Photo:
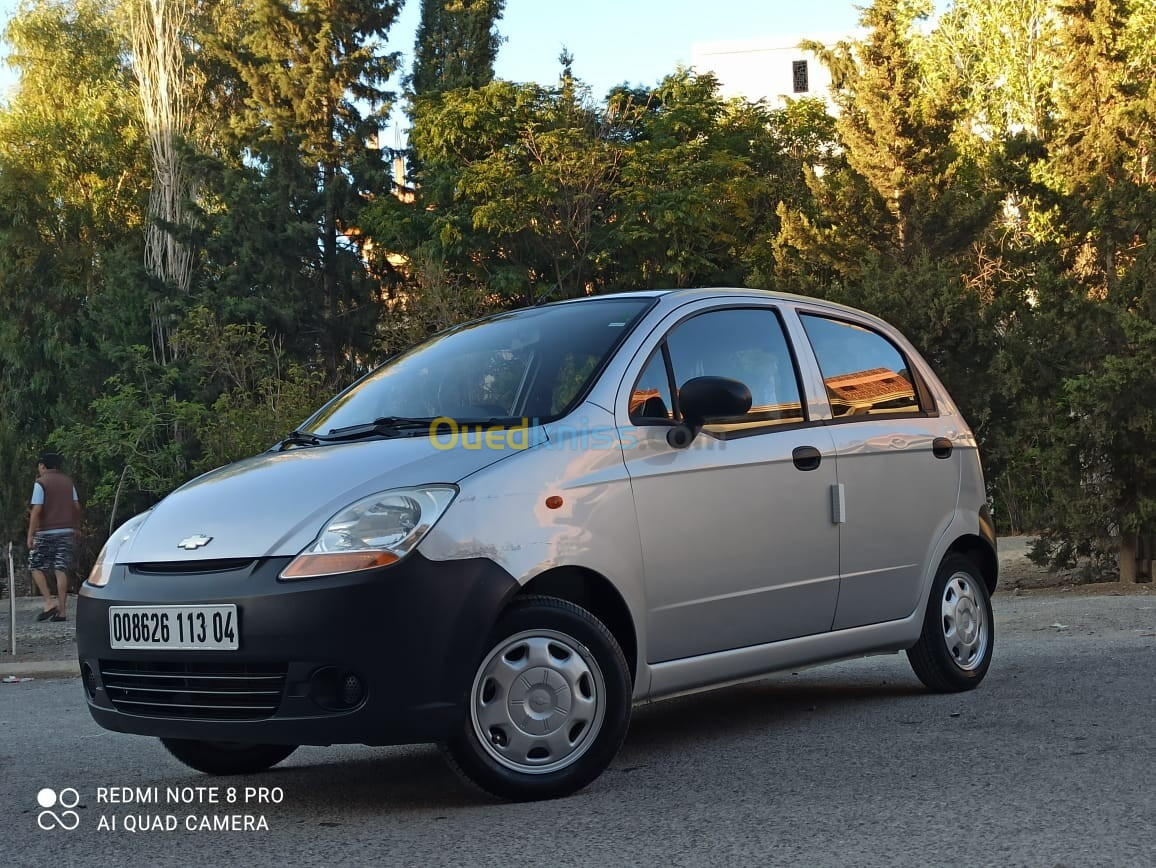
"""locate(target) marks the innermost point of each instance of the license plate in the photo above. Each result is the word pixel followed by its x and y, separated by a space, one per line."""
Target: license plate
pixel 174 628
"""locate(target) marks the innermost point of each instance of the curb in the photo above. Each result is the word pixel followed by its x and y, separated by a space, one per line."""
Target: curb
pixel 40 669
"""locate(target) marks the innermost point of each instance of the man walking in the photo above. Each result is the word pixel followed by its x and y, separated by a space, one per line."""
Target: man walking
pixel 54 522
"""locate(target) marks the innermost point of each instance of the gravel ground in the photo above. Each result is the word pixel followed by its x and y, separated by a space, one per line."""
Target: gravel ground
pixel 37 641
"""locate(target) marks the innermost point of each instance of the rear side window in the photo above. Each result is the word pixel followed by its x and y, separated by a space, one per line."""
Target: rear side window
pixel 747 345
pixel 865 374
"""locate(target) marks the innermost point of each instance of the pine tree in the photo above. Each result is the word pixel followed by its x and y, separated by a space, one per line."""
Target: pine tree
pixel 898 138
pixel 456 45
pixel 314 75
pixel 1106 118
pixel 1101 171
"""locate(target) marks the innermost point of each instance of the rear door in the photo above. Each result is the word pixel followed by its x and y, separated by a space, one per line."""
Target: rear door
pixel 898 473
pixel 738 543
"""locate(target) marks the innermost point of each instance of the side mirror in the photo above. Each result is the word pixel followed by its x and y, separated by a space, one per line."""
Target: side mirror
pixel 705 398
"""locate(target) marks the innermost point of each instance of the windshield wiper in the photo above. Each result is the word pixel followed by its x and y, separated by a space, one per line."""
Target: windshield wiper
pixel 379 426
pixel 385 425
pixel 299 438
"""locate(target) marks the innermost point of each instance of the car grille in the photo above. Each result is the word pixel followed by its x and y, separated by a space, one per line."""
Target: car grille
pixel 201 691
pixel 178 568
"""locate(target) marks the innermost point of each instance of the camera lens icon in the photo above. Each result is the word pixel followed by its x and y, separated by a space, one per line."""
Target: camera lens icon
pixel 49 798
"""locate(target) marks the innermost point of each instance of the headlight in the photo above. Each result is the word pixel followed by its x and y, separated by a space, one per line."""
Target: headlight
pixel 376 531
pixel 102 569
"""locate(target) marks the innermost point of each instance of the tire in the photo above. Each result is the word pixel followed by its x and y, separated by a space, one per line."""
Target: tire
pixel 227 757
pixel 954 650
pixel 549 704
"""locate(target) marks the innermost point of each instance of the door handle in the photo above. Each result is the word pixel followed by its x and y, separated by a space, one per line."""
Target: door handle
pixel 941 447
pixel 807 457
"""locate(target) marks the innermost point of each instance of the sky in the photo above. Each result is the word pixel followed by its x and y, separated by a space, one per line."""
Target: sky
pixel 636 41
pixel 640 41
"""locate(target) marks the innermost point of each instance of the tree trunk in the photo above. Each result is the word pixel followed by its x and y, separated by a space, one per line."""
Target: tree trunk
pixel 1128 558
pixel 329 341
pixel 157 28
pixel 1144 558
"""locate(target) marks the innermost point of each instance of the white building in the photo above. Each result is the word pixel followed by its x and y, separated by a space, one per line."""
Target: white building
pixel 774 69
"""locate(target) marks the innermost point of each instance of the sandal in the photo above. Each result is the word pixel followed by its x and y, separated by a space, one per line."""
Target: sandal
pixel 59 617
pixel 44 616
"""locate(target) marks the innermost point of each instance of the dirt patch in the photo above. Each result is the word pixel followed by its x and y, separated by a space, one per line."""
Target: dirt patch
pixel 1088 589
pixel 1017 574
pixel 1016 571
pixel 37 641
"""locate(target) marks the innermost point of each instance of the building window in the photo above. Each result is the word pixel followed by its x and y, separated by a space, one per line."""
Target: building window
pixel 799 74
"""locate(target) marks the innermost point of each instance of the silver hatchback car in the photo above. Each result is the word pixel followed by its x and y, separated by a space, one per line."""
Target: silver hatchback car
pixel 504 538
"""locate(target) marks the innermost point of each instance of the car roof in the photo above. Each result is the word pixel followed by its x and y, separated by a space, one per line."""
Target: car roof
pixel 693 294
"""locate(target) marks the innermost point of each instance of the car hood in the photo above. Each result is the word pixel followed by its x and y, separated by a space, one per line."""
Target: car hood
pixel 275 503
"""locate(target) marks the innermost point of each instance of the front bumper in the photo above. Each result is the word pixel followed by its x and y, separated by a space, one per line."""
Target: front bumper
pixel 412 633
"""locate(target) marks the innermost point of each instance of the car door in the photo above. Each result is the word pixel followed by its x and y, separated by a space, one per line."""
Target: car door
pixel 738 542
pixel 898 473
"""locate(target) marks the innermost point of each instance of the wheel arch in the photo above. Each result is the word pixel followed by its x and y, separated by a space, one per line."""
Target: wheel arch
pixel 595 593
pixel 980 552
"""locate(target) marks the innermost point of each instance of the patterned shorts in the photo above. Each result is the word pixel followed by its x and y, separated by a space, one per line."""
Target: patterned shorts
pixel 52 551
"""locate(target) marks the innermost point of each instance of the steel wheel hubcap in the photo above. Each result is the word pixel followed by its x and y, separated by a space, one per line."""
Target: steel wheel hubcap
pixel 538 701
pixel 965 627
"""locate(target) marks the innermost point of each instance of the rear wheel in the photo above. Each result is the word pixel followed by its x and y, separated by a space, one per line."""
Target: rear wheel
pixel 954 651
pixel 227 757
pixel 549 704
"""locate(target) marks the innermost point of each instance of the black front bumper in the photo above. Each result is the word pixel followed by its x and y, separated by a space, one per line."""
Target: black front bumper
pixel 411 633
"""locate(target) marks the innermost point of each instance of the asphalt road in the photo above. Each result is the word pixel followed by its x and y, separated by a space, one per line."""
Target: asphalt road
pixel 1052 761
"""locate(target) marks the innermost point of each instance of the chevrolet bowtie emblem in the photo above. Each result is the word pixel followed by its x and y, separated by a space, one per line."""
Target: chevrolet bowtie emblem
pixel 194 542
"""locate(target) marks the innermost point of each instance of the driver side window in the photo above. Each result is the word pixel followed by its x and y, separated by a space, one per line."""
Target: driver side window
pixel 743 344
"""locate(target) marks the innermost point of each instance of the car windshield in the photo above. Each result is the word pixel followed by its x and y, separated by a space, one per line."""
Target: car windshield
pixel 532 364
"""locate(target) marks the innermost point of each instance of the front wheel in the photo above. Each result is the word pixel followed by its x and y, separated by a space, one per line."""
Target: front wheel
pixel 954 651
pixel 227 757
pixel 549 704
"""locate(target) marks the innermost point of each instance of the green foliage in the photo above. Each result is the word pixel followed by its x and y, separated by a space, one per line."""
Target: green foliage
pixel 1001 58
pixel 1099 457
pixel 697 182
pixel 1109 428
pixel 295 166
pixel 897 136
pixel 137 430
pixel 431 303
pixel 538 192
pixel 72 185
pixel 156 426
pixel 260 394
pixel 516 178
pixel 456 45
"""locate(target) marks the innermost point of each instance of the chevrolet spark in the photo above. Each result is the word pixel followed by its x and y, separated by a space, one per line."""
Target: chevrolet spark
pixel 502 539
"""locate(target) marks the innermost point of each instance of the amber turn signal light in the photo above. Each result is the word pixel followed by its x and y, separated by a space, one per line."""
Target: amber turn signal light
pixel 308 566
